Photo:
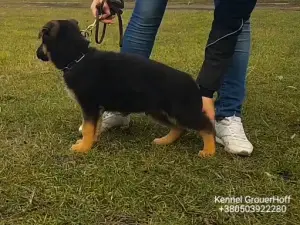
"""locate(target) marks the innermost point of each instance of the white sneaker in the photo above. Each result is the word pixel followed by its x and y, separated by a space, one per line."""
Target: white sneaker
pixel 230 133
pixel 116 119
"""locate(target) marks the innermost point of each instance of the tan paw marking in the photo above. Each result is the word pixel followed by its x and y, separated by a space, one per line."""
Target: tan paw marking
pixel 80 148
pixel 206 154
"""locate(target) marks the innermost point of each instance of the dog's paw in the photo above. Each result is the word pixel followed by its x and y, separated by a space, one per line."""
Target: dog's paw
pixel 78 141
pixel 79 147
pixel 206 154
pixel 160 141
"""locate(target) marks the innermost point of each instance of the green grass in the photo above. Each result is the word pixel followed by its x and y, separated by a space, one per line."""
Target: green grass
pixel 170 1
pixel 125 179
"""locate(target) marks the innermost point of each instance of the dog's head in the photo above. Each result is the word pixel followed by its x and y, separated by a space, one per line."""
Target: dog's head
pixel 61 41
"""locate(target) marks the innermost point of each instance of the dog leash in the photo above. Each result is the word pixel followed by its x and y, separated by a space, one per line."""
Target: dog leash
pixel 115 7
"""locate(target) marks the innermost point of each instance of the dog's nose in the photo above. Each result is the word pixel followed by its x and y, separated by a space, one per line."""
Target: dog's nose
pixel 41 55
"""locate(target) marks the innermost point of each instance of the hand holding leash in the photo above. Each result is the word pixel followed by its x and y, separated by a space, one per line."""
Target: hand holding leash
pixel 105 15
pixel 104 11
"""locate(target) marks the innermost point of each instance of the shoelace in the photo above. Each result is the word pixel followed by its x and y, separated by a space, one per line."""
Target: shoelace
pixel 236 129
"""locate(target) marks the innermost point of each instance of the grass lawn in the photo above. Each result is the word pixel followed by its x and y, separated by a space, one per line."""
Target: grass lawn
pixel 125 179
pixel 88 2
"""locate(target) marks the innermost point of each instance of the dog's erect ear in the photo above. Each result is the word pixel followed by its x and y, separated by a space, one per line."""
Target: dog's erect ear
pixel 50 29
pixel 74 21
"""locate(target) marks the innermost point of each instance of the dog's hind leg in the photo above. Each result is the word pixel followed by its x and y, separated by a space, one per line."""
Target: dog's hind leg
pixel 194 119
pixel 89 130
pixel 174 133
pixel 209 148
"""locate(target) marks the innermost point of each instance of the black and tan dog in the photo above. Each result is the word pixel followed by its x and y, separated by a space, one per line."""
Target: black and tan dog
pixel 109 81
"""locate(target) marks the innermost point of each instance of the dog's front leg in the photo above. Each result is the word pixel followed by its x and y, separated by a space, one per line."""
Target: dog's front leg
pixel 98 127
pixel 89 130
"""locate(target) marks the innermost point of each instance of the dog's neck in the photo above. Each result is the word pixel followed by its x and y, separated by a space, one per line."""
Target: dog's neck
pixel 66 60
pixel 70 65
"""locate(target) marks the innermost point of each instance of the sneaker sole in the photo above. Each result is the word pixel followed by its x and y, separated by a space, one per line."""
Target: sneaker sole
pixel 241 153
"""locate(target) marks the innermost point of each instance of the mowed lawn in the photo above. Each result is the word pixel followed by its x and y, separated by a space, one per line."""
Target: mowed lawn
pixel 125 179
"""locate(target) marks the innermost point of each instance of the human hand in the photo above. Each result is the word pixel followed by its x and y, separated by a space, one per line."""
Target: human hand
pixel 208 108
pixel 106 14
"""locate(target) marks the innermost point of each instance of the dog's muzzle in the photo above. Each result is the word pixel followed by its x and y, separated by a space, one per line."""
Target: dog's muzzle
pixel 41 55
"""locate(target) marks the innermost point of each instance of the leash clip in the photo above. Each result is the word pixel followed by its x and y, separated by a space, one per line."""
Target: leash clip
pixel 89 30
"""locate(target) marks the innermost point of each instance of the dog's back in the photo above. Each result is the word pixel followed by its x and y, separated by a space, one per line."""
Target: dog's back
pixel 130 83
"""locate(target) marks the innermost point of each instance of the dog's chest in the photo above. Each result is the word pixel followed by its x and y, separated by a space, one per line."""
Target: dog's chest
pixel 71 93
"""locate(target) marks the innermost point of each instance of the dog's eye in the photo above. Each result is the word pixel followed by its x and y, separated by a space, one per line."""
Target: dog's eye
pixel 44 31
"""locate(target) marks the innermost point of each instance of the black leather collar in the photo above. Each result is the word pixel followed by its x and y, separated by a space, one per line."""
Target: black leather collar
pixel 73 63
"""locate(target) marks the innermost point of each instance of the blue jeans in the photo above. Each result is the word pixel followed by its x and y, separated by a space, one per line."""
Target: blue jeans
pixel 140 36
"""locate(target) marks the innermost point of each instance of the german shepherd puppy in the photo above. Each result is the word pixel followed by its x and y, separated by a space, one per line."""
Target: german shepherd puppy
pixel 127 83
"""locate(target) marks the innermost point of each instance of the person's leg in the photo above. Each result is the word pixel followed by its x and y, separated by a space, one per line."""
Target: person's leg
pixel 139 38
pixel 142 28
pixel 229 128
pixel 232 92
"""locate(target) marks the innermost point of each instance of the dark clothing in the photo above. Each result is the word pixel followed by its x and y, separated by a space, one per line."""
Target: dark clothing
pixel 229 17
